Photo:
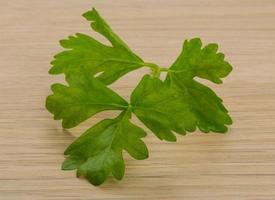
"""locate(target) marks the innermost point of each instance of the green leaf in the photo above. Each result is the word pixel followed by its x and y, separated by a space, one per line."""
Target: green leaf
pixel 106 62
pixel 98 152
pixel 201 62
pixel 180 104
pixel 161 109
pixel 84 97
pixel 206 106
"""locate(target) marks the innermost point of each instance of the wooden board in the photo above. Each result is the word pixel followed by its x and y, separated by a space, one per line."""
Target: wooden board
pixel 237 166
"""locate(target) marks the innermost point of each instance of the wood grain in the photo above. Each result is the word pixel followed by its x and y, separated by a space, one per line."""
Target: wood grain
pixel 239 165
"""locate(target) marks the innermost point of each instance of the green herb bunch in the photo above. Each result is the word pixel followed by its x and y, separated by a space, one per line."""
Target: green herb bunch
pixel 177 104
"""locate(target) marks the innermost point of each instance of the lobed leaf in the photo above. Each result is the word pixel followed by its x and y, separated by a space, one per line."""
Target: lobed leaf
pixel 201 62
pixel 180 104
pixel 98 152
pixel 83 51
pixel 161 109
pixel 84 97
pixel 206 106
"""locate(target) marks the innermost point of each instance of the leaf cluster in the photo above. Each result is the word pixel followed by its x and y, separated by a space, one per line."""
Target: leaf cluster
pixel 176 105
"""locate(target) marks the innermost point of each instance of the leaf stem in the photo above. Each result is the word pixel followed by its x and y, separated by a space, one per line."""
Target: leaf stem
pixel 155 69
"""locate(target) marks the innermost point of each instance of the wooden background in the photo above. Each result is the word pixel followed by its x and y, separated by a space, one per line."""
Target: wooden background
pixel 237 166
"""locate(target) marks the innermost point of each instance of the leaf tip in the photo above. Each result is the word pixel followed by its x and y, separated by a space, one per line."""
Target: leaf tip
pixel 90 15
pixel 68 164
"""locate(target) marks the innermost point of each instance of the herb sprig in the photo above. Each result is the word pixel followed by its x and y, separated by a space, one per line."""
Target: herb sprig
pixel 178 104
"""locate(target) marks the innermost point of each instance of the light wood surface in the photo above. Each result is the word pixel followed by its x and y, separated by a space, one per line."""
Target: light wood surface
pixel 237 166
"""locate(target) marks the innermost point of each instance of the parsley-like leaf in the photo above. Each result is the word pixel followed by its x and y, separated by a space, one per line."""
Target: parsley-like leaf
pixel 207 107
pixel 179 104
pixel 98 152
pixel 110 62
pixel 201 62
pixel 161 109
pixel 84 97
